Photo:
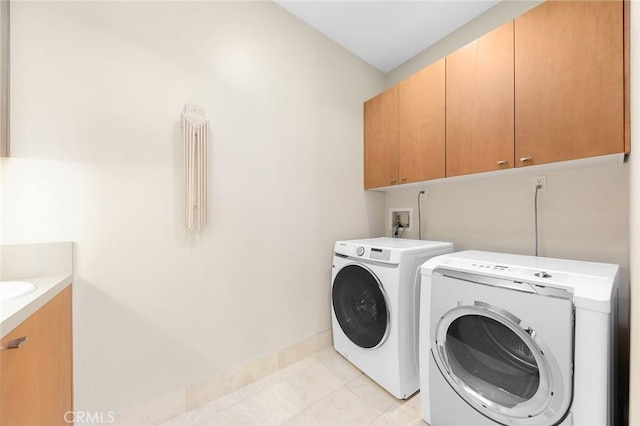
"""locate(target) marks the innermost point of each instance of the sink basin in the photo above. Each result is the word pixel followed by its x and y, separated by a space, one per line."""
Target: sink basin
pixel 11 289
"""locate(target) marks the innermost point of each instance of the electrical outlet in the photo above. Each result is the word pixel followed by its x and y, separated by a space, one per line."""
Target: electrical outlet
pixel 540 181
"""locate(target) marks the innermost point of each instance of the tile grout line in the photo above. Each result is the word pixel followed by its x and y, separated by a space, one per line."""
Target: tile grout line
pixel 312 360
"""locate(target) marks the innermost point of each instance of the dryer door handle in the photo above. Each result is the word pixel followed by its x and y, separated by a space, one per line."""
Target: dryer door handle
pixel 486 280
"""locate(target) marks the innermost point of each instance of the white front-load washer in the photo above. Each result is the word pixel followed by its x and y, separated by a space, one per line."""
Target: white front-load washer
pixel 517 340
pixel 375 307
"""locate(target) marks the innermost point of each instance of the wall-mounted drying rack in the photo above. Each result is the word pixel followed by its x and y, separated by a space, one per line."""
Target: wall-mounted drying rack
pixel 195 138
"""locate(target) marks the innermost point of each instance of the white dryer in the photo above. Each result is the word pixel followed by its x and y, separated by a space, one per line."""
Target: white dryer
pixel 517 340
pixel 375 307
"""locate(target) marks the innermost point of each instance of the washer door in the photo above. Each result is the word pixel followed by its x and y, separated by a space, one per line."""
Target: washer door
pixel 499 365
pixel 360 305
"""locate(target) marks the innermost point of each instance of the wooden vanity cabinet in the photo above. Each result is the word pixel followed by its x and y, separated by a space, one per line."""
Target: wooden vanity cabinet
pixel 381 139
pixel 421 125
pixel 480 104
pixel 569 81
pixel 36 378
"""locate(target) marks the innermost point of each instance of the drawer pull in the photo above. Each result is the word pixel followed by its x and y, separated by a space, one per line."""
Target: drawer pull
pixel 393 181
pixel 403 178
pixel 14 344
pixel 502 162
pixel 523 159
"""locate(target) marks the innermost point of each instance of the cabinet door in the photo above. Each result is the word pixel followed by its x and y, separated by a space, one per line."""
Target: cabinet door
pixel 381 139
pixel 480 123
pixel 36 381
pixel 569 78
pixel 421 124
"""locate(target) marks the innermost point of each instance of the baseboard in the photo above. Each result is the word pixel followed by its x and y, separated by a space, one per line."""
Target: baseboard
pixel 165 407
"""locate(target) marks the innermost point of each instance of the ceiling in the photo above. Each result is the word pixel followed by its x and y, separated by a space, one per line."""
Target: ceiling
pixel 389 32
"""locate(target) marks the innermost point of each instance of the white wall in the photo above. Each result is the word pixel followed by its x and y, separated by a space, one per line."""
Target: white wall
pixel 583 215
pixel 97 89
pixel 502 12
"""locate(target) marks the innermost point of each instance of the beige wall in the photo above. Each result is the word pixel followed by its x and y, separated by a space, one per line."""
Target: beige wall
pixel 4 77
pixel 97 91
pixel 583 215
pixel 634 215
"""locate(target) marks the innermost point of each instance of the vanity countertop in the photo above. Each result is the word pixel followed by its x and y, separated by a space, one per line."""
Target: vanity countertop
pixel 14 311
pixel 49 266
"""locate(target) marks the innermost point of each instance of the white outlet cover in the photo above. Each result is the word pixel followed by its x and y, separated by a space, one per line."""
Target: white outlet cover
pixel 543 181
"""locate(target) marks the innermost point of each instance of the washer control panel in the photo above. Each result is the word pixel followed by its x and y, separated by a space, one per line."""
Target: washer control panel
pixel 367 252
pixel 379 254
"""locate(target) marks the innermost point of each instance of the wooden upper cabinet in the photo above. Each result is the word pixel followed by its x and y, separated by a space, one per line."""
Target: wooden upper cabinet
pixel 569 77
pixel 480 116
pixel 381 139
pixel 421 120
pixel 552 85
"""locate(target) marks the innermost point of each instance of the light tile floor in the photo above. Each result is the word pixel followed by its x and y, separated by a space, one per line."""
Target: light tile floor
pixel 322 389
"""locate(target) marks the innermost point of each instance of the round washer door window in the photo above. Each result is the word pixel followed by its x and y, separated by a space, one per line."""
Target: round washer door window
pixel 497 366
pixel 360 306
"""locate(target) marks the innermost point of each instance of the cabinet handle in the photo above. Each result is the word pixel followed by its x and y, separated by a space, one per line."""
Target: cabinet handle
pixel 502 162
pixel 403 178
pixel 14 344
pixel 393 181
pixel 523 159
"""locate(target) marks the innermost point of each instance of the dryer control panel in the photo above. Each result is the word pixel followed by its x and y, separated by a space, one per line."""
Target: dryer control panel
pixel 527 272
pixel 509 272
pixel 592 284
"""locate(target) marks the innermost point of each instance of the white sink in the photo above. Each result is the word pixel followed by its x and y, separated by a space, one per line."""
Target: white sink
pixel 11 289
